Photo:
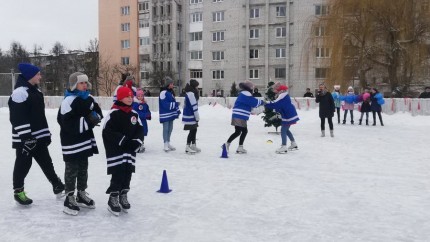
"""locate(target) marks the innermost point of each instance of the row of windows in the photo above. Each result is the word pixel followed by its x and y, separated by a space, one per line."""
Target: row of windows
pixel 219 74
pixel 255 12
pixel 162 29
pixel 281 32
pixel 200 1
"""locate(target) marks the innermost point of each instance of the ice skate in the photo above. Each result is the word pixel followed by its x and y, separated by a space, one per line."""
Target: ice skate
pixel 322 133
pixel 123 201
pixel 113 204
pixel 282 150
pixel 21 198
pixel 293 146
pixel 166 147
pixel 84 201
pixel 70 205
pixel 241 150
pixel 194 147
pixel 331 133
pixel 58 188
pixel 170 146
pixel 190 151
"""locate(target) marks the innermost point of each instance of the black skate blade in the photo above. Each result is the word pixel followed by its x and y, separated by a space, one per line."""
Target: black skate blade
pixel 113 212
pixel 69 211
pixel 239 152
pixel 190 153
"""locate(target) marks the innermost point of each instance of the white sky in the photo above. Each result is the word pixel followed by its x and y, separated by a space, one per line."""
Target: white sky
pixel 72 22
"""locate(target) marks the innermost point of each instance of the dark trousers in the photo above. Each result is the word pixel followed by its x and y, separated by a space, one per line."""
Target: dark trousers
pixel 23 164
pixel 362 114
pixel 242 131
pixel 346 113
pixel 330 123
pixel 119 181
pixel 338 115
pixel 191 139
pixel 76 172
pixel 374 117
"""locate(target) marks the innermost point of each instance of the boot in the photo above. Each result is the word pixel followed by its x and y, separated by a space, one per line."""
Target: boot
pixel 359 121
pixel 241 150
pixel 331 133
pixel 170 146
pixel 293 146
pixel 123 201
pixel 282 150
pixel 70 205
pixel 322 133
pixel 352 122
pixel 21 197
pixel 194 147
pixel 84 201
pixel 166 147
pixel 113 203
pixel 190 151
pixel 374 123
pixel 367 122
pixel 344 122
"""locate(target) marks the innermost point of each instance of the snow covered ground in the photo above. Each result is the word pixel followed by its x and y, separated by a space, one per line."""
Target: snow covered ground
pixel 365 184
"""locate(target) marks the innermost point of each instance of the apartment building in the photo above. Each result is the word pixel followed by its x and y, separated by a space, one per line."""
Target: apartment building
pixel 219 42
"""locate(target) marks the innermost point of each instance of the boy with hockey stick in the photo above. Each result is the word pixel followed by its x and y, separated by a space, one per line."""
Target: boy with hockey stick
pixel 30 132
pixel 122 138
pixel 78 115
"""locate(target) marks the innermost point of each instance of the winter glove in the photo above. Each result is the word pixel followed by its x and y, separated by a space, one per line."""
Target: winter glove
pixel 133 145
pixel 29 145
pixel 93 119
pixel 148 117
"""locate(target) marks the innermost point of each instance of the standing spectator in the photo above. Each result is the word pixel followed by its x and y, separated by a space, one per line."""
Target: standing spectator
pixel 308 93
pixel 142 108
pixel 327 108
pixel 348 105
pixel 78 115
pixel 169 111
pixel 191 117
pixel 337 102
pixel 30 132
pixel 426 93
pixel 256 93
pixel 376 101
pixel 147 93
pixel 365 106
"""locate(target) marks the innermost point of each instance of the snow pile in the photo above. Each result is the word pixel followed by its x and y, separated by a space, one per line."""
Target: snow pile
pixel 365 184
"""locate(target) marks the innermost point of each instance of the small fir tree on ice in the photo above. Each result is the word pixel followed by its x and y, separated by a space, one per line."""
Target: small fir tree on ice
pixel 270 117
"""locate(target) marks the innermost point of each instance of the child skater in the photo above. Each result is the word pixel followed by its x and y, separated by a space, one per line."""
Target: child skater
pixel 283 105
pixel 336 97
pixel 169 111
pixel 78 115
pixel 241 111
pixel 365 106
pixel 349 104
pixel 191 117
pixel 142 108
pixel 377 100
pixel 122 138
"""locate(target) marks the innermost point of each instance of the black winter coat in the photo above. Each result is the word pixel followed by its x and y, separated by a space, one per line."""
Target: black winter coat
pixel 118 127
pixel 365 106
pixel 77 137
pixel 374 105
pixel 27 114
pixel 326 102
pixel 424 95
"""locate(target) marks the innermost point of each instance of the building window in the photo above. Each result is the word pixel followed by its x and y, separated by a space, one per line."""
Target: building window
pixel 144 7
pixel 218 36
pixel 161 10
pixel 280 53
pixel 321 10
pixel 143 24
pixel 322 52
pixel 154 11
pixel 144 41
pixel 195 1
pixel 321 72
pixel 253 53
pixel 144 75
pixel 217 1
pixel 253 74
pixel 154 48
pixel 320 31
pixel 254 33
pixel 196 73
pixel 196 36
pixel 169 47
pixel 125 60
pixel 154 30
pixel 280 11
pixel 168 29
pixel 281 32
pixel 169 10
pixel 125 44
pixel 217 74
pixel 125 10
pixel 218 16
pixel 196 17
pixel 254 13
pixel 125 27
pixel 218 55
pixel 196 55
pixel 280 73
pixel 161 47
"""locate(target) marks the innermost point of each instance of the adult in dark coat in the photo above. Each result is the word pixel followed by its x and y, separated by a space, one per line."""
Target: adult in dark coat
pixel 308 93
pixel 426 93
pixel 375 96
pixel 327 108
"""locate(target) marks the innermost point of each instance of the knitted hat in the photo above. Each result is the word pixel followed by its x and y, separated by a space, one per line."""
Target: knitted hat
pixel 336 87
pixel 167 81
pixel 194 83
pixel 350 88
pixel 28 71
pixel 247 85
pixel 123 92
pixel 139 92
pixel 76 78
pixel 282 88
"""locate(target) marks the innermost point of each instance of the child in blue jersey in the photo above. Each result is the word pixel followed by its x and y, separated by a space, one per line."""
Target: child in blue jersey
pixel 288 112
pixel 169 111
pixel 337 102
pixel 190 116
pixel 241 111
pixel 142 108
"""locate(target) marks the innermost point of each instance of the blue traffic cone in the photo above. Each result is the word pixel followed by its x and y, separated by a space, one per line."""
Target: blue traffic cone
pixel 224 152
pixel 164 188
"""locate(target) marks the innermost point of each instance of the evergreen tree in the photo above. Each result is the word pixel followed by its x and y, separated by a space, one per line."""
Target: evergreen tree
pixel 233 90
pixel 270 117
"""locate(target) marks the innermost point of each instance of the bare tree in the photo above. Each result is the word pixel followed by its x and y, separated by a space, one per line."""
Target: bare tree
pixel 91 64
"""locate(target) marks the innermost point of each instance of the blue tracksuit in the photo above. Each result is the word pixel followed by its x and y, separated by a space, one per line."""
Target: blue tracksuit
pixel 243 105
pixel 284 106
pixel 191 110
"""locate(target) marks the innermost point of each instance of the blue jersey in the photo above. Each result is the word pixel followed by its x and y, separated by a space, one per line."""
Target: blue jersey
pixel 284 106
pixel 191 110
pixel 243 105
pixel 144 114
pixel 169 108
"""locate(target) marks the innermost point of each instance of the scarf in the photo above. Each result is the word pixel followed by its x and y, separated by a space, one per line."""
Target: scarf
pixel 122 106
pixel 82 94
